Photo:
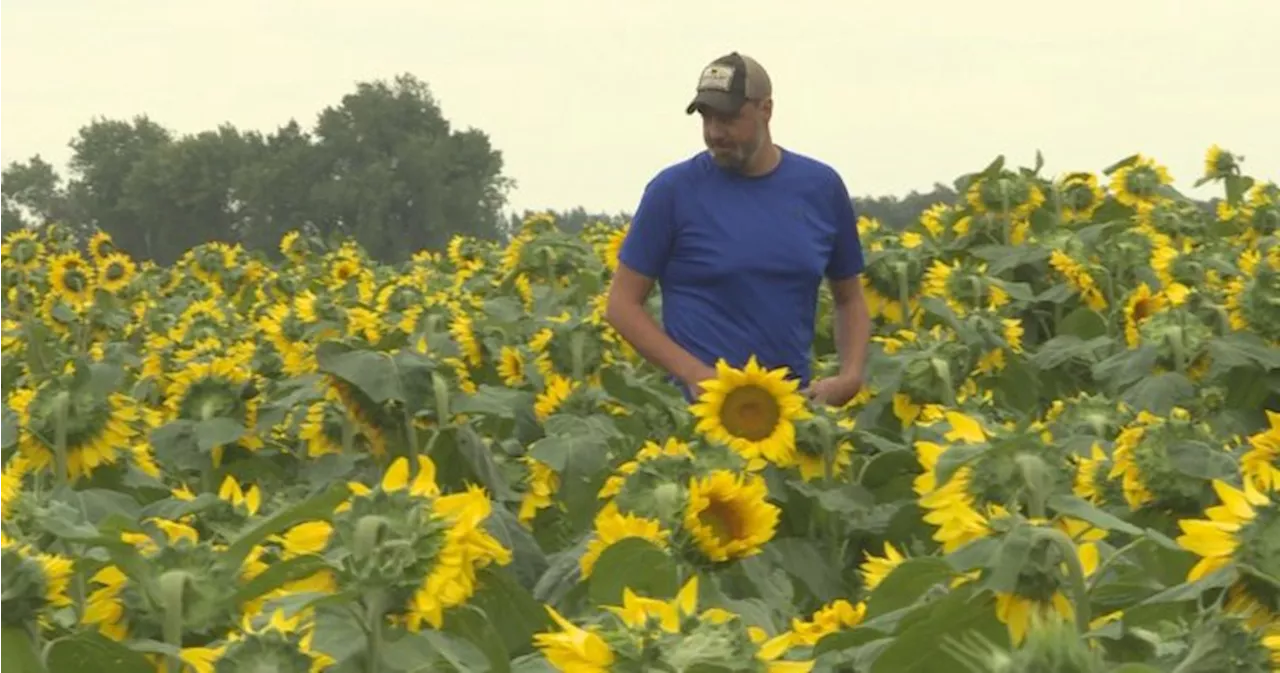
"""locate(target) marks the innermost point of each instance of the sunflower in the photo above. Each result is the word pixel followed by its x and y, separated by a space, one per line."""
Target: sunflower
pixel 36 583
pixel 1261 463
pixel 280 644
pixel 1138 183
pixel 612 526
pixel 574 649
pixel 511 366
pixel 71 279
pixel 729 516
pixel 1007 193
pixel 22 250
pixel 1079 278
pixel 115 271
pixel 543 482
pixel 753 410
pixel 557 390
pixel 1147 473
pixel 95 429
pixel 876 568
pixel 1241 531
pixel 101 246
pixel 1079 196
pixel 963 288
pixel 1140 305
pixel 608 251
pixel 322 428
pixel 222 387
pixel 1218 163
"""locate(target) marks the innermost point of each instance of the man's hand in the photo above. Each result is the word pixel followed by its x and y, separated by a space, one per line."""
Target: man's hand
pixel 836 390
pixel 693 380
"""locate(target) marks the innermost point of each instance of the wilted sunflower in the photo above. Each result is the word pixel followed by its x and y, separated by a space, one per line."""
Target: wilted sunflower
pixel 752 410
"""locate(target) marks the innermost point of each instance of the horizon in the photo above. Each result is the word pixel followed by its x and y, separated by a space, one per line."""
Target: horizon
pixel 912 120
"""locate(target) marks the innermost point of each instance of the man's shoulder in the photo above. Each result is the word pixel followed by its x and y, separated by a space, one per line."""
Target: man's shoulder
pixel 812 165
pixel 690 167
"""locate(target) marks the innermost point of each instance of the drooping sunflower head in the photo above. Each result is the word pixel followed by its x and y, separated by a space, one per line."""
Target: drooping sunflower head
pixel 35 583
pixel 964 286
pixel 96 428
pixel 1141 304
pixel 1080 196
pixel 729 516
pixel 1179 336
pixel 1219 163
pixel 1150 459
pixel 1138 182
pixel 1242 531
pixel 1005 193
pixel 753 410
pixel 273 643
pixel 1253 303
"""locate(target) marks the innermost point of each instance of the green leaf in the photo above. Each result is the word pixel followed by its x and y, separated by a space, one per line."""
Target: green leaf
pixel 883 467
pixel 19 654
pixel 374 373
pixel 1010 559
pixel 906 583
pixel 803 560
pixel 528 561
pixel 917 646
pixel 213 432
pixel 512 610
pixel 317 507
pixel 1201 461
pixel 494 401
pixel 472 624
pixel 92 651
pixel 1066 348
pixel 1160 393
pixel 418 651
pixel 955 457
pixel 633 563
pixel 1078 508
pixel 1084 323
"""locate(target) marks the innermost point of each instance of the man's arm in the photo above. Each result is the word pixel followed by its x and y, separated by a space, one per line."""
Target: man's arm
pixel 852 326
pixel 641 259
pixel 626 312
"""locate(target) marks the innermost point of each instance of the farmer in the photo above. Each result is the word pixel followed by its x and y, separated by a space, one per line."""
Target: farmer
pixel 739 238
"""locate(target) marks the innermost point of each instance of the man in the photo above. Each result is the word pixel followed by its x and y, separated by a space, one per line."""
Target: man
pixel 739 238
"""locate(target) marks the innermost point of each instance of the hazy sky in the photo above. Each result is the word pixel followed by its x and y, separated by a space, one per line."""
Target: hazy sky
pixel 584 114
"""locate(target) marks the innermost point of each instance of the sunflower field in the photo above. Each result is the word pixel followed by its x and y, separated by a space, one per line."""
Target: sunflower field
pixel 1066 455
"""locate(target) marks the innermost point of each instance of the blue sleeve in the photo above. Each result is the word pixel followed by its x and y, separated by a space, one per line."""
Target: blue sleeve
pixel 648 243
pixel 846 257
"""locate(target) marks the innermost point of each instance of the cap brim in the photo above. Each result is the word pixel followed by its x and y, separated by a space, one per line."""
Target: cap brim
pixel 720 101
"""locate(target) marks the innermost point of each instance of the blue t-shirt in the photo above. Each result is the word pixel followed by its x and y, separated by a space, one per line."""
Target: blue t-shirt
pixel 739 260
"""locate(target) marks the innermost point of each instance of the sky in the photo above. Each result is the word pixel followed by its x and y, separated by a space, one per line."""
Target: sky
pixel 586 100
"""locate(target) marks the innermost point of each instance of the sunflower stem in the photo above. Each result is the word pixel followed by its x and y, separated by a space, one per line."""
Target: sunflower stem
pixel 173 587
pixel 1119 553
pixel 440 388
pixel 375 608
pixel 1070 556
pixel 577 346
pixel 904 293
pixel 61 405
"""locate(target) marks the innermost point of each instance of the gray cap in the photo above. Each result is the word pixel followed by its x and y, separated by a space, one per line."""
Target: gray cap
pixel 730 81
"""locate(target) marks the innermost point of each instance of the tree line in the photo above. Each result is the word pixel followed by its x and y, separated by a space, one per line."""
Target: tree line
pixel 383 166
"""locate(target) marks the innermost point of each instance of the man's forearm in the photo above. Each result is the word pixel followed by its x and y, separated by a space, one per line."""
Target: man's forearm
pixel 852 327
pixel 635 325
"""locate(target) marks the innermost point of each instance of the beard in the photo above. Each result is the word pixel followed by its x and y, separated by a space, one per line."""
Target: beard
pixel 734 157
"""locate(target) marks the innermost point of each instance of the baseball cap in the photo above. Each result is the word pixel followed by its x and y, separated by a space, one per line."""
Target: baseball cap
pixel 729 81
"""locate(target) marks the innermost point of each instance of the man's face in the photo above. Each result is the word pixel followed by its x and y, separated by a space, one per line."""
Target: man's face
pixel 734 137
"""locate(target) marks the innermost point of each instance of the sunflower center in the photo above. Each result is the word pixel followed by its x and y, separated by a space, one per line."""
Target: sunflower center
pixel 750 412
pixel 1142 309
pixel 74 280
pixel 115 271
pixel 24 250
pixel 724 520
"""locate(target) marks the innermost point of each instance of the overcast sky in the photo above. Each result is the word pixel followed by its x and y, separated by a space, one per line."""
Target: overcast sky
pixel 896 96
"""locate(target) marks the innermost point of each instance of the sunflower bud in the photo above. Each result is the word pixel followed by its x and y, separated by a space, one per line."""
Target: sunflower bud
pixel 668 500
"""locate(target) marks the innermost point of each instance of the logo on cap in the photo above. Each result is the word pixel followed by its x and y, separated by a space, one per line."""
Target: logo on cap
pixel 716 76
